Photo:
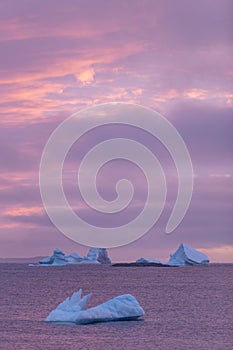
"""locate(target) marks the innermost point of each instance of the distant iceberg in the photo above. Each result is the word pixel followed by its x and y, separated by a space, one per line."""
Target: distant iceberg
pixel 123 307
pixel 184 256
pixel 99 254
pixel 94 256
pixel 187 256
pixel 57 259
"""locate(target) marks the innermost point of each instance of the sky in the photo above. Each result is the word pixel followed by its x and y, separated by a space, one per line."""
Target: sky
pixel 58 57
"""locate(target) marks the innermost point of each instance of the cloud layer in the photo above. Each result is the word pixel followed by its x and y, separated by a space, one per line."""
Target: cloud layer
pixel 174 57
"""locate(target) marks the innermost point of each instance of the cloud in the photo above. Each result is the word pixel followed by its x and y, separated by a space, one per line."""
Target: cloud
pixel 87 76
pixel 206 129
pixel 174 57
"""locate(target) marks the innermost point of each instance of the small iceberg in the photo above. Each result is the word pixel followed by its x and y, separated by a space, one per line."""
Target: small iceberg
pixel 187 256
pixel 122 308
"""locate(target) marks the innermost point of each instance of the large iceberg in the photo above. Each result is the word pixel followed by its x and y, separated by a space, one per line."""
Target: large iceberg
pixel 187 256
pixel 123 307
pixel 94 256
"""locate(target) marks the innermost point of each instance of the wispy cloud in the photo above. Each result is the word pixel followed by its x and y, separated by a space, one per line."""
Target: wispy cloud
pixel 57 59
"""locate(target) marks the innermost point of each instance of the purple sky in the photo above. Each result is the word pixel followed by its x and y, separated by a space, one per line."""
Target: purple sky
pixel 58 57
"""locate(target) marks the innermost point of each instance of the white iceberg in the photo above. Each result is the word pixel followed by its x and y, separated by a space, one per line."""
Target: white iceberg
pixel 99 254
pixel 184 256
pixel 123 307
pixel 94 256
pixel 57 259
pixel 187 256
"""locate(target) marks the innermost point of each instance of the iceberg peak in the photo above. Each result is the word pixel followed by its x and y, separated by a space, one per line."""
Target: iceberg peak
pixel 74 303
pixel 186 256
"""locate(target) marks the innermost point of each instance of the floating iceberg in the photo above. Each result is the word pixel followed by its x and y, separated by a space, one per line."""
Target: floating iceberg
pixel 99 254
pixel 123 307
pixel 186 256
pixel 94 256
pixel 57 259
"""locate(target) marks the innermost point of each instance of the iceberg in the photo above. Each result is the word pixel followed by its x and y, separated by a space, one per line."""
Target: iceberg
pixel 184 256
pixel 94 256
pixel 57 259
pixel 72 309
pixel 187 256
pixel 99 254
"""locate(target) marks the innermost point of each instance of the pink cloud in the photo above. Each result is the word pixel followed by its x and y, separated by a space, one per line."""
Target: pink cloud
pixel 57 59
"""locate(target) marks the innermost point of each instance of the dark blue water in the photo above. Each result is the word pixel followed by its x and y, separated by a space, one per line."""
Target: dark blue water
pixel 185 308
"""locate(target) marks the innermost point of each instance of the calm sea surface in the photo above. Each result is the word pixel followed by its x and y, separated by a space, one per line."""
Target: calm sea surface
pixel 185 308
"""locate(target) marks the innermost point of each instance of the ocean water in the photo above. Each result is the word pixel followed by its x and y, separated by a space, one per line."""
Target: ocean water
pixel 185 308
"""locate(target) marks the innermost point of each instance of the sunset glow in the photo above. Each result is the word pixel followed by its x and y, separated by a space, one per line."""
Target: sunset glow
pixel 58 58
